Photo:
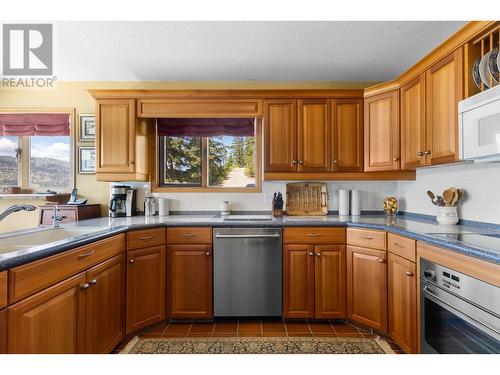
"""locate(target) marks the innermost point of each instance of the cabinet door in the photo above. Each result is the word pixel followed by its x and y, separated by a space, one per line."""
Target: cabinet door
pixel 402 297
pixel 314 135
pixel 115 136
pixel 367 287
pixel 330 282
pixel 347 135
pixel 280 135
pixel 382 132
pixel 3 331
pixel 189 281
pixel 51 321
pixel 105 306
pixel 413 123
pixel 298 281
pixel 444 91
pixel 145 287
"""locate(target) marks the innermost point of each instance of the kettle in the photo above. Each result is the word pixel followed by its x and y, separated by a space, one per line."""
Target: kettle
pixel 149 206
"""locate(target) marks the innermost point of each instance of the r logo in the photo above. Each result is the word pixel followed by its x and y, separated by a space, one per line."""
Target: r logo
pixel 27 49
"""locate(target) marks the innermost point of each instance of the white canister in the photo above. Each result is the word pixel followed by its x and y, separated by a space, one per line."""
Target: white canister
pixel 447 215
pixel 343 202
pixel 355 206
pixel 163 207
pixel 225 208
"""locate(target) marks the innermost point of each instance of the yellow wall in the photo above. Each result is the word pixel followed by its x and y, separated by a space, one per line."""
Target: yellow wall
pixel 75 95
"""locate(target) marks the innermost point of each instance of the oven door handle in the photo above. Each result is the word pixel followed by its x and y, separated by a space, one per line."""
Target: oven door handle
pixel 431 293
pixel 274 235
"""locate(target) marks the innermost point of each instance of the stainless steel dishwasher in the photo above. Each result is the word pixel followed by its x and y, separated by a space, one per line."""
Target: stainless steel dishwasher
pixel 247 272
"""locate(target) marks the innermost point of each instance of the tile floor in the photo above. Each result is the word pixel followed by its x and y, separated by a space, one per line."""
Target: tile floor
pixel 259 328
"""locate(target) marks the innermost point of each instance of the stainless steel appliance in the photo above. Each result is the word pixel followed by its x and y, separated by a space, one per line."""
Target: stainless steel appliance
pixel 122 201
pixel 247 272
pixel 150 206
pixel 458 313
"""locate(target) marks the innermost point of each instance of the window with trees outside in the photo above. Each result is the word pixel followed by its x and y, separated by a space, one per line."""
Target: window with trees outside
pixel 209 154
pixel 35 151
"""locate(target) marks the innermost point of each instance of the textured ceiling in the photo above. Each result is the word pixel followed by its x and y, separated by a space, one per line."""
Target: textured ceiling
pixel 279 51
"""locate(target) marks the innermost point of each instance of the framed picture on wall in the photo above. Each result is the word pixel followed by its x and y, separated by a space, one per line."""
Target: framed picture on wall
pixel 87 128
pixel 86 160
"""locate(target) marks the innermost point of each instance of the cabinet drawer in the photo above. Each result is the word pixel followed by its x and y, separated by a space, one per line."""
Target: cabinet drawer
pixel 3 289
pixel 140 239
pixel 373 239
pixel 33 277
pixel 402 246
pixel 314 235
pixel 189 235
pixel 68 215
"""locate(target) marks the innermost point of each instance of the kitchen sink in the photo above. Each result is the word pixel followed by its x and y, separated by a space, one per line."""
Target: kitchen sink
pixel 40 237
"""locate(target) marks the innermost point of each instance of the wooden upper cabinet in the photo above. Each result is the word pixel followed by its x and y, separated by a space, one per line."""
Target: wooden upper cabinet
pixel 145 287
pixel 280 135
pixel 330 281
pixel 298 281
pixel 314 135
pixel 51 321
pixel 402 295
pixel 381 132
pixel 189 281
pixel 115 136
pixel 444 88
pixel 367 287
pixel 347 135
pixel 413 123
pixel 105 306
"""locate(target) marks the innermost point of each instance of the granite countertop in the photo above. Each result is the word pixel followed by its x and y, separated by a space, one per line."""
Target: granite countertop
pixel 479 242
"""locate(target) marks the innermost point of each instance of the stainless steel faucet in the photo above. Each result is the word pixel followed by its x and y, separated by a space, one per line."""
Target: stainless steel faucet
pixel 16 208
pixel 56 219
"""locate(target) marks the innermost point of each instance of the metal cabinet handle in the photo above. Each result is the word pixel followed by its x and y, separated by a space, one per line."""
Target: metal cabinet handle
pixel 146 238
pixel 395 158
pixel 207 254
pixel 408 273
pixel 294 161
pixel 85 286
pixel 85 255
pixel 366 238
pixel 93 281
pixel 427 152
pixel 397 244
pixel 189 234
pixel 380 260
pixel 420 153
pixel 318 254
pixel 301 162
pixel 131 261
pixel 334 161
pixel 311 253
pixel 313 234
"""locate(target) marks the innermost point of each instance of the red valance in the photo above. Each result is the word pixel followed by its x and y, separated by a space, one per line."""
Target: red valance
pixel 30 124
pixel 206 127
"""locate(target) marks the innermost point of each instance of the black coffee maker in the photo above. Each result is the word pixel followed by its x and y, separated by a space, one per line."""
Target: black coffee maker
pixel 122 201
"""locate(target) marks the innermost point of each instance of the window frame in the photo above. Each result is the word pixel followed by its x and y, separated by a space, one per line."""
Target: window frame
pixel 24 143
pixel 205 188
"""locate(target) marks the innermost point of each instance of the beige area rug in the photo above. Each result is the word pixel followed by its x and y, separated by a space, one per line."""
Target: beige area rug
pixel 258 345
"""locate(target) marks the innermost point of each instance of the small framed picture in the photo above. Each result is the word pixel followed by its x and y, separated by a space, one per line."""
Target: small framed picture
pixel 87 128
pixel 86 160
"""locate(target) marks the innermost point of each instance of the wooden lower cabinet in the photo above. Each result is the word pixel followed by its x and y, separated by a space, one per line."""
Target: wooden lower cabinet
pixel 402 295
pixel 146 270
pixel 3 331
pixel 367 286
pixel 189 281
pixel 105 306
pixel 51 321
pixel 314 281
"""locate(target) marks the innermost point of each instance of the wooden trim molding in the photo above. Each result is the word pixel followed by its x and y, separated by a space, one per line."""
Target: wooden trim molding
pixel 3 289
pixel 333 176
pixel 467 33
pixel 224 94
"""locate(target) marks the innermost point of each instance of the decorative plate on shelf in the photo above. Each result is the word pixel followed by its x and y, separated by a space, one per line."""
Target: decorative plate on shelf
pixel 475 73
pixel 483 70
pixel 493 64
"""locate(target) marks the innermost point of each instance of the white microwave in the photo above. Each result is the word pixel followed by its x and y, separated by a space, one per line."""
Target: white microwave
pixel 479 126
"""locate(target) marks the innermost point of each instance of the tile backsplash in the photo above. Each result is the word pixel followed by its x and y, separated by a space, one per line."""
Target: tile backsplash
pixel 372 194
pixel 481 182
